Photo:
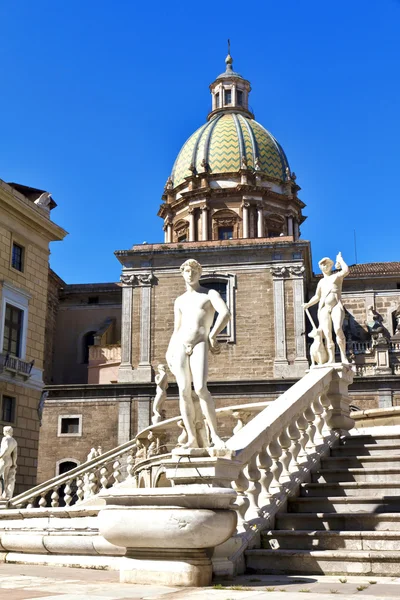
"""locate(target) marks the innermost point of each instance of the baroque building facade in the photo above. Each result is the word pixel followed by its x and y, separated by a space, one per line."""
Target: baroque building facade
pixel 25 233
pixel 231 202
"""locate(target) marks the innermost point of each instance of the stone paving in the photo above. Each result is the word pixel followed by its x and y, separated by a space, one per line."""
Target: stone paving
pixel 25 582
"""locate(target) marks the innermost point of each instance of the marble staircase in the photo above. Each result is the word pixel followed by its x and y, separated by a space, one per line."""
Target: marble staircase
pixel 346 520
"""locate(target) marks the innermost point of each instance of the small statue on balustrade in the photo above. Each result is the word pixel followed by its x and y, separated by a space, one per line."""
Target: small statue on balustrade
pixel 330 312
pixel 161 380
pixel 187 355
pixel 8 463
pixel 380 336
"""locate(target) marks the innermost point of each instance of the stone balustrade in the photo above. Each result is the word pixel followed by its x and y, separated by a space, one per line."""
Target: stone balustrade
pixel 88 479
pixel 273 449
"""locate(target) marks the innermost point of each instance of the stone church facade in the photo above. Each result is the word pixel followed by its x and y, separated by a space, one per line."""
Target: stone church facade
pixel 232 203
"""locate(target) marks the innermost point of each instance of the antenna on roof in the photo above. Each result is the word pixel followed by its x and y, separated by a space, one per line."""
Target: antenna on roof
pixel 355 246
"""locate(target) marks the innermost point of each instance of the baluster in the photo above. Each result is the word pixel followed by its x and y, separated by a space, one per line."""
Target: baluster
pixel 103 477
pixel 80 492
pixel 92 485
pixel 29 505
pixel 310 417
pixel 302 426
pixel 326 403
pixel 275 452
pixel 264 463
pixel 286 459
pixel 253 491
pixel 42 501
pixel 241 505
pixel 295 448
pixel 68 493
pixel 116 472
pixel 318 409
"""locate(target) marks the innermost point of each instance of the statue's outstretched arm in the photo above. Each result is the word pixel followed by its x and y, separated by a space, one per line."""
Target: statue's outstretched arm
pixel 344 269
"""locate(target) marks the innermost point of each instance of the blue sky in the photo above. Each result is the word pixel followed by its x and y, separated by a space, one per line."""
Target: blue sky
pixel 98 97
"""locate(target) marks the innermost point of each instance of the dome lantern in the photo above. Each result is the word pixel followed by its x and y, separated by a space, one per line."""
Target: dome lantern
pixel 230 91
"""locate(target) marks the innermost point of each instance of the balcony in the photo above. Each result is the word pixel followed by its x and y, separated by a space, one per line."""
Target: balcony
pixel 16 366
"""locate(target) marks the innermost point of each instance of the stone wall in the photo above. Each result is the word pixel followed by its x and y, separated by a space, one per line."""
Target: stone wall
pixel 99 428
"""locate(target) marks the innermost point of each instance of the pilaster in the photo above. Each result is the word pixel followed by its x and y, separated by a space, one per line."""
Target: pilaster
pixel 301 362
pixel 144 372
pixel 280 362
pixel 125 372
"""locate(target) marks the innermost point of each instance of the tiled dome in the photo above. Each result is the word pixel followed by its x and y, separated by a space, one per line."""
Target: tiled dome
pixel 223 142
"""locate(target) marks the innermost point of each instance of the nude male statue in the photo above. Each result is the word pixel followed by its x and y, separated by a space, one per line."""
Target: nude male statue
pixel 330 307
pixel 187 354
pixel 8 462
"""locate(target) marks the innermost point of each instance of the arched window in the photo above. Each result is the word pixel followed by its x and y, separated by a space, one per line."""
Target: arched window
pixel 225 285
pixel 275 225
pixel 63 466
pixel 87 340
pixel 225 225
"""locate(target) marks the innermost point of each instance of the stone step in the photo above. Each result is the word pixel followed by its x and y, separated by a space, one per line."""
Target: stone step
pixel 353 504
pixel 356 440
pixel 345 521
pixel 331 540
pixel 350 489
pixel 341 462
pixel 366 450
pixel 329 562
pixel 373 475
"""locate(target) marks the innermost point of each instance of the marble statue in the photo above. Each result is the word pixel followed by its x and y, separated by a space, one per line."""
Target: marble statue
pixel 161 380
pixel 8 463
pixel 330 308
pixel 187 355
pixel 380 336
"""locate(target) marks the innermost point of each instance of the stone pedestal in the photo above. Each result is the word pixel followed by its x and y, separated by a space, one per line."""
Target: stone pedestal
pixel 167 532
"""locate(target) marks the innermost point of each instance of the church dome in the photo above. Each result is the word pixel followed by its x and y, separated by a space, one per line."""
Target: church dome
pixel 226 143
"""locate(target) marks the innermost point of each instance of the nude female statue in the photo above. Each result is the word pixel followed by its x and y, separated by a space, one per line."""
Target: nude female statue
pixel 330 307
pixel 187 354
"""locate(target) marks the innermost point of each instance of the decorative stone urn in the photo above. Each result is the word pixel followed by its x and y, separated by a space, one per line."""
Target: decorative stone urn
pixel 168 533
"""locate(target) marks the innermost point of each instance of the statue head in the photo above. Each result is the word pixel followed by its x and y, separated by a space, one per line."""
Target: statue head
pixel 326 264
pixel 8 430
pixel 191 270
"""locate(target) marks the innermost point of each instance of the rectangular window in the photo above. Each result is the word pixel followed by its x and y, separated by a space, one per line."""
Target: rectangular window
pixel 228 97
pixel 221 288
pixel 13 323
pixel 70 425
pixel 182 238
pixel 239 97
pixel 217 100
pixel 8 409
pixel 17 260
pixel 225 233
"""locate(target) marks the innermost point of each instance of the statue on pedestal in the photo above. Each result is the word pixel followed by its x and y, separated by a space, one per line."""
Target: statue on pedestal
pixel 187 355
pixel 8 463
pixel 161 380
pixel 380 336
pixel 330 309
